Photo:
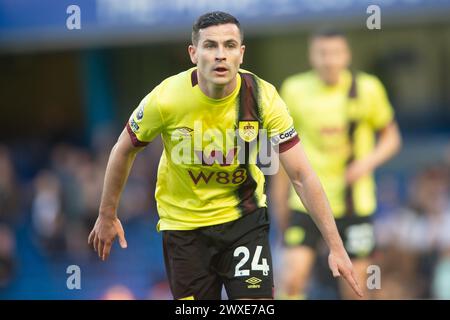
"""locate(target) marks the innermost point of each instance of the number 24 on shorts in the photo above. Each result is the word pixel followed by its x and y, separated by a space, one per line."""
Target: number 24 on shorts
pixel 242 250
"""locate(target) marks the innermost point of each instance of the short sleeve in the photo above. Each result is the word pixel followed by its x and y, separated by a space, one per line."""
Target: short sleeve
pixel 145 122
pixel 381 111
pixel 278 122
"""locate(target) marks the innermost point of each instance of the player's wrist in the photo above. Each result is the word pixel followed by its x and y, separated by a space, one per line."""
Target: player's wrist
pixel 107 212
pixel 338 252
pixel 336 246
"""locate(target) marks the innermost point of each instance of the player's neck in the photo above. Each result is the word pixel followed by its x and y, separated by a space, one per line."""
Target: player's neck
pixel 215 91
pixel 331 81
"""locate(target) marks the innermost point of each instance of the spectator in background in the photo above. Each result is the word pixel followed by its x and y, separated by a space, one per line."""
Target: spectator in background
pixel 416 240
pixel 66 197
pixel 7 255
pixel 46 212
pixel 9 190
pixel 9 212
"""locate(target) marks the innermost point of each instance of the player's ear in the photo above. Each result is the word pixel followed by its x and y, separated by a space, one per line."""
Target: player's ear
pixel 242 54
pixel 192 49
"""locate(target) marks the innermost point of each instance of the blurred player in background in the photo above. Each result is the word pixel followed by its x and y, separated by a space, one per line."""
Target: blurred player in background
pixel 212 207
pixel 338 114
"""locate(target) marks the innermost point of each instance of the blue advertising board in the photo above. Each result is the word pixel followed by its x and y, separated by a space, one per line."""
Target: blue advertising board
pixel 28 20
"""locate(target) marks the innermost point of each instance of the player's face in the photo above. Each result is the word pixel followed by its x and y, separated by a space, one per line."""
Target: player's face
pixel 218 53
pixel 329 56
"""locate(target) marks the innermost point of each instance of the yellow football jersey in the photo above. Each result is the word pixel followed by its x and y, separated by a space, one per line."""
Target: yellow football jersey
pixel 207 173
pixel 322 114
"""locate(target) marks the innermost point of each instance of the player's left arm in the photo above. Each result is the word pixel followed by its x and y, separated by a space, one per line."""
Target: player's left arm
pixel 308 187
pixel 388 144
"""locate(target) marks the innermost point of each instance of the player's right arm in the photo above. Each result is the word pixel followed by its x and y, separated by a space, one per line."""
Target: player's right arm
pixel 308 187
pixel 108 226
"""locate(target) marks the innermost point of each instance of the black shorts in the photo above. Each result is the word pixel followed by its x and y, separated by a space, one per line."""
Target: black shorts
pixel 357 233
pixel 235 254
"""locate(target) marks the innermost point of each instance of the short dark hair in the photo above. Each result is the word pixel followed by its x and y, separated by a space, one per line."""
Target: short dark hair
pixel 214 18
pixel 327 33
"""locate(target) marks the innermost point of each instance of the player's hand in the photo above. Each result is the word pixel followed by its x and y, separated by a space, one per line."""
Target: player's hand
pixel 357 169
pixel 103 234
pixel 340 265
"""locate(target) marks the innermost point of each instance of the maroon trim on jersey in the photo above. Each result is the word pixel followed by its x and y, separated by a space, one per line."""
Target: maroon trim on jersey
pixel 134 140
pixel 248 110
pixel 246 193
pixel 352 94
pixel 285 146
pixel 194 78
pixel 390 123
